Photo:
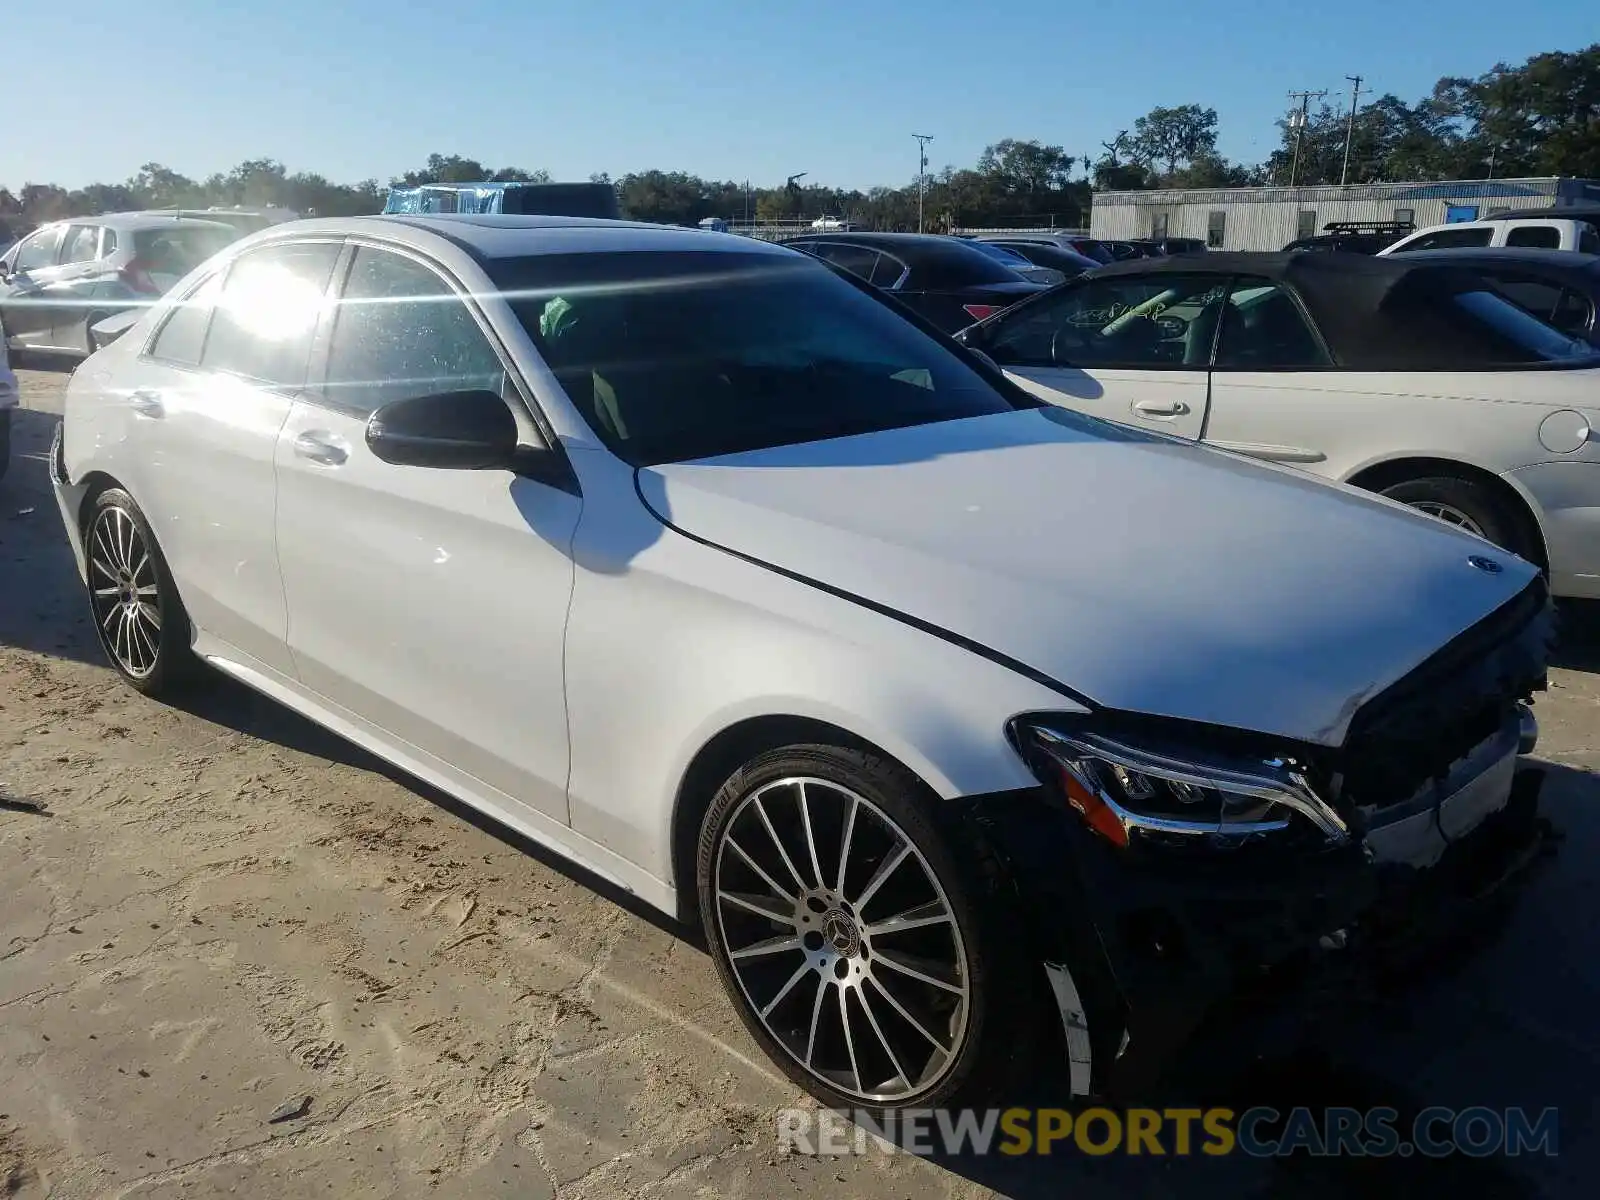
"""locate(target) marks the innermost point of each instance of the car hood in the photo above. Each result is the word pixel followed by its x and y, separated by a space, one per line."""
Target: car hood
pixel 1142 573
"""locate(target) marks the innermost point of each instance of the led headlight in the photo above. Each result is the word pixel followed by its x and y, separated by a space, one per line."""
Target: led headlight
pixel 1124 791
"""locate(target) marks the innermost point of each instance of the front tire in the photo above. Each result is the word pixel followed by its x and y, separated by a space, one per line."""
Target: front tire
pixel 858 939
pixel 138 616
pixel 1466 505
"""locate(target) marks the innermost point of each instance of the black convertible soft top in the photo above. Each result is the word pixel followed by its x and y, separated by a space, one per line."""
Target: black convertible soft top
pixel 1375 314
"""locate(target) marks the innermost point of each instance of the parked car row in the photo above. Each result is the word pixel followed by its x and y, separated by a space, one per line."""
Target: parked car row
pixel 1415 376
pixel 64 278
pixel 969 727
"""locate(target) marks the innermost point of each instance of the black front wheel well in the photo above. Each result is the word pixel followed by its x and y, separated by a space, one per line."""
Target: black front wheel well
pixel 93 484
pixel 1386 474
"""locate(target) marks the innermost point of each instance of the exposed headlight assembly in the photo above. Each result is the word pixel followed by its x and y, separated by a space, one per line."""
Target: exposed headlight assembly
pixel 1167 794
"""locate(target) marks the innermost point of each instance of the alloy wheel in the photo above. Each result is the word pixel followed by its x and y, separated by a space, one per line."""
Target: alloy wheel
pixel 123 592
pixel 842 939
pixel 1449 514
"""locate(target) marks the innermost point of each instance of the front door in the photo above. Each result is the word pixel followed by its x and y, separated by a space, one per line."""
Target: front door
pixel 31 268
pixel 1130 348
pixel 428 603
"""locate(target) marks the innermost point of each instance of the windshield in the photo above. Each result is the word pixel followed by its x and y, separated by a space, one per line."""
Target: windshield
pixel 685 355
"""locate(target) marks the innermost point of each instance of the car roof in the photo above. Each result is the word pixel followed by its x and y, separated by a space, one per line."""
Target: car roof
pixel 1576 212
pixel 507 235
pixel 1570 260
pixel 133 221
pixel 1348 297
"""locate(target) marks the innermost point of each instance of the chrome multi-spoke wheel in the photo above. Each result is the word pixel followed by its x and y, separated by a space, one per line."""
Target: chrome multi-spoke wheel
pixel 122 586
pixel 141 623
pixel 841 938
pixel 1449 514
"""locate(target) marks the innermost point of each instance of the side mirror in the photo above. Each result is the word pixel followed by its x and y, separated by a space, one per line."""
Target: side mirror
pixel 461 431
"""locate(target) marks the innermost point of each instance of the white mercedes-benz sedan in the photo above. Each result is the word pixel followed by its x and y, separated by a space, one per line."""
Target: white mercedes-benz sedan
pixel 957 721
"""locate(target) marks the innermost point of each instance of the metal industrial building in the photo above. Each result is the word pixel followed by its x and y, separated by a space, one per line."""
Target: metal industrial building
pixel 1268 218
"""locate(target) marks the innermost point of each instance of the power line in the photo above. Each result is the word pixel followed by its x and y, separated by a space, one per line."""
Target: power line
pixel 1299 124
pixel 922 172
pixel 1350 124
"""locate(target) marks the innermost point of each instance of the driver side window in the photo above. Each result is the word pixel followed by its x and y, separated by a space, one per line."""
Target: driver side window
pixel 1150 321
pixel 38 251
pixel 402 331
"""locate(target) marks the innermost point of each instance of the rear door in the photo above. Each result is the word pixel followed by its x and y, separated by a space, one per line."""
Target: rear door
pixel 1130 348
pixel 428 604
pixel 214 387
pixel 73 288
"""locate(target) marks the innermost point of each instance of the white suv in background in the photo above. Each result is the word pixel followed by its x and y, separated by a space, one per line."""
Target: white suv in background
pixel 1544 233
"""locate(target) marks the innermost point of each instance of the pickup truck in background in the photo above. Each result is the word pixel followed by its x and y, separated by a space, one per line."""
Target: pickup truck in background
pixel 1527 233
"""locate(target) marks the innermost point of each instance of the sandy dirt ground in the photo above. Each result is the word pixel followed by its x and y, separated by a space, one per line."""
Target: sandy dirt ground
pixel 226 915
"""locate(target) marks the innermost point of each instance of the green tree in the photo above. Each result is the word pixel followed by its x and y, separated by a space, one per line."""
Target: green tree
pixel 1170 136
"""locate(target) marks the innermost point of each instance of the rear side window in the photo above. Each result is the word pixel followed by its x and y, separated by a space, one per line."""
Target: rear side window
pixel 167 255
pixel 1574 313
pixel 82 244
pixel 1588 239
pixel 182 336
pixel 1534 295
pixel 1537 237
pixel 267 312
pixel 1507 334
pixel 858 260
pixel 887 271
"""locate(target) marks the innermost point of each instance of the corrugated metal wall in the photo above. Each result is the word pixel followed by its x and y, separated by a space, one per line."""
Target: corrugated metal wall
pixel 1270 218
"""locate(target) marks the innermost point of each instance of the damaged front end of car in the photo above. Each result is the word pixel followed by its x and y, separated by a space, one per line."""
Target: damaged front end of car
pixel 1175 871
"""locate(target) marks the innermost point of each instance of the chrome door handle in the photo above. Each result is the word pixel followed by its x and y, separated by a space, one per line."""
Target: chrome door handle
pixel 1160 408
pixel 320 448
pixel 146 403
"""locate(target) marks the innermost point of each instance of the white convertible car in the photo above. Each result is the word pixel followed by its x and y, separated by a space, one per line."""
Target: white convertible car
pixel 1414 380
pixel 953 717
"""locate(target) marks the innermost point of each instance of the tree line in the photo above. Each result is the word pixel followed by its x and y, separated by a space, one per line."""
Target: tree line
pixel 1541 117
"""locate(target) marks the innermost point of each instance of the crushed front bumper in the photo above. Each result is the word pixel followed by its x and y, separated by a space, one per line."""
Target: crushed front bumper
pixel 1156 966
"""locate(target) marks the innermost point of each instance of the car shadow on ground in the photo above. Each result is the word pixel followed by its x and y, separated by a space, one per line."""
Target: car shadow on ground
pixel 1579 625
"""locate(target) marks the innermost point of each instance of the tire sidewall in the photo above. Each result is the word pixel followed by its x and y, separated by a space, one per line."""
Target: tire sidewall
pixel 1473 499
pixel 901 797
pixel 174 658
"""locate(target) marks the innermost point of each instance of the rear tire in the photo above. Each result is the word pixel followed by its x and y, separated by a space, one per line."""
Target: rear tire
pixel 1467 505
pixel 814 947
pixel 138 616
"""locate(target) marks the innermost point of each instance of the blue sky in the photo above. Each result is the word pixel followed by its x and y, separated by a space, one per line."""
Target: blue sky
pixel 358 88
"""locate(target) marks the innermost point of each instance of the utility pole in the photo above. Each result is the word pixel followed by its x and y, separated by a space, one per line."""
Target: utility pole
pixel 922 172
pixel 1350 124
pixel 1299 123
